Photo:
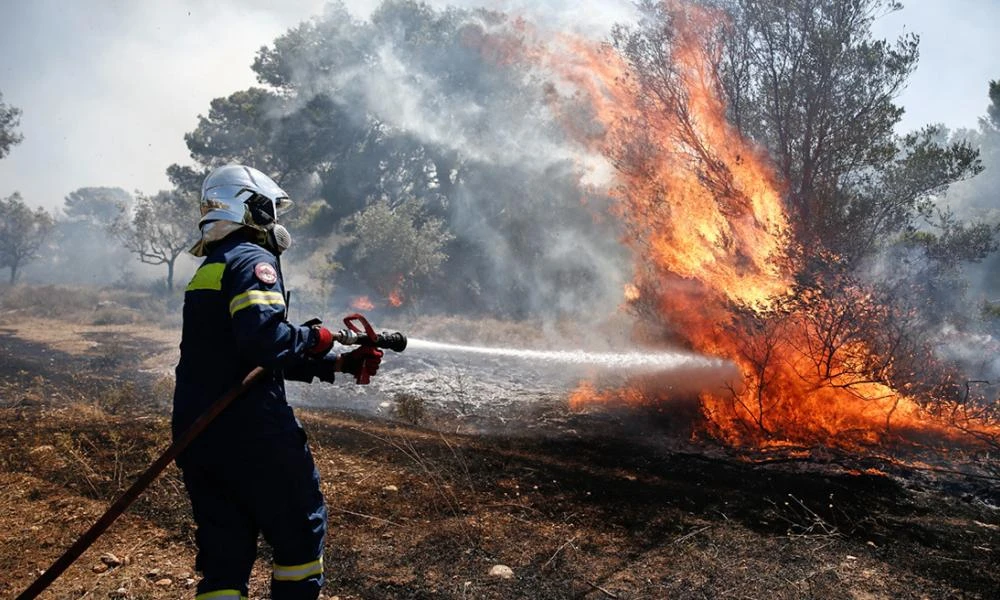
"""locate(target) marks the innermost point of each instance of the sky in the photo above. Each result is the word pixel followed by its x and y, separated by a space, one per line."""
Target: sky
pixel 109 87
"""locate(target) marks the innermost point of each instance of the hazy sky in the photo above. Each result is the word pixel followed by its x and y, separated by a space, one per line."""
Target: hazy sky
pixel 109 87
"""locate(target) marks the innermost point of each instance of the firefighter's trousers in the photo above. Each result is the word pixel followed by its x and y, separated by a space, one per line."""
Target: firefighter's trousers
pixel 269 488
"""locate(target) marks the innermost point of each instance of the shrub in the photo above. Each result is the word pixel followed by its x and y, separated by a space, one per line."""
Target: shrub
pixel 409 407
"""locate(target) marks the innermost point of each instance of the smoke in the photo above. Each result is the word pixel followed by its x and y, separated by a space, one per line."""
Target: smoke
pixel 525 202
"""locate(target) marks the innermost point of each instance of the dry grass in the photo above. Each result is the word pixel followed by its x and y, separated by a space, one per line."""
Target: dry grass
pixel 418 514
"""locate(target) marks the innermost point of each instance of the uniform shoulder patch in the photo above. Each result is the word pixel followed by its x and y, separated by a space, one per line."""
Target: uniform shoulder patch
pixel 265 273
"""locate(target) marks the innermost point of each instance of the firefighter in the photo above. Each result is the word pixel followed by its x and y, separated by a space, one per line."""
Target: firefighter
pixel 251 472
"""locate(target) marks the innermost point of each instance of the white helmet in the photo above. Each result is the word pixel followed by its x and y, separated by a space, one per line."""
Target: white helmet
pixel 237 196
pixel 241 194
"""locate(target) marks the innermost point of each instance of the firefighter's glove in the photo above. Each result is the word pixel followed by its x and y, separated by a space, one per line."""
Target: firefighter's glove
pixel 362 362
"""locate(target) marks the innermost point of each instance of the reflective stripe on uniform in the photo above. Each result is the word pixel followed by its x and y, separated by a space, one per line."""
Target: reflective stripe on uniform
pixel 207 277
pixel 255 297
pixel 297 572
pixel 221 595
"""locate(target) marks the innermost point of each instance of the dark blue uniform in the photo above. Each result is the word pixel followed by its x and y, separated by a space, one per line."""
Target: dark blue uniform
pixel 250 471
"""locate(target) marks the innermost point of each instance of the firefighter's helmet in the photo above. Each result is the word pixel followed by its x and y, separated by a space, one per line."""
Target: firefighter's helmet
pixel 237 196
pixel 241 194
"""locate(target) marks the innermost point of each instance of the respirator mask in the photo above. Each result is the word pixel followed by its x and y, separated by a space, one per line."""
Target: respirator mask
pixel 274 236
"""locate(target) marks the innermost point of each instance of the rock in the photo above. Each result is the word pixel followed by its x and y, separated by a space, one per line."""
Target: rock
pixel 110 559
pixel 390 488
pixel 188 582
pixel 101 568
pixel 153 573
pixel 164 582
pixel 502 572
pixel 119 593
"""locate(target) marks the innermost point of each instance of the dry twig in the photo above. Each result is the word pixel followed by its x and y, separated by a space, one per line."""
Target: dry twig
pixel 692 534
pixel 364 516
pixel 600 589
pixel 558 550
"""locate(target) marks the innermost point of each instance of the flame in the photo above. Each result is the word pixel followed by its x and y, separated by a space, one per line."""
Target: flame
pixel 395 298
pixel 715 254
pixel 362 303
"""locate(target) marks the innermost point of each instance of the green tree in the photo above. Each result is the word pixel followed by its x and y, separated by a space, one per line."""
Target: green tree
pixel 96 206
pixel 445 106
pixel 159 229
pixel 992 119
pixel 397 250
pixel 238 129
pixel 10 118
pixel 22 232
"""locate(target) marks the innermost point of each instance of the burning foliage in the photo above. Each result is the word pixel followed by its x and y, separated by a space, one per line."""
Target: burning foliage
pixel 827 358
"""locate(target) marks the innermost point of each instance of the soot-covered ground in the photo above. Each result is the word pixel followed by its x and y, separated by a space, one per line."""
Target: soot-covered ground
pixel 593 505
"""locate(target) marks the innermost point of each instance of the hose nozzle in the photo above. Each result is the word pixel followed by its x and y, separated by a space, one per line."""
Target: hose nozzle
pixel 354 335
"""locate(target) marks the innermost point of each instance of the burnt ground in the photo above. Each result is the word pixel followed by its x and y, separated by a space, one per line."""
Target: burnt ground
pixel 599 505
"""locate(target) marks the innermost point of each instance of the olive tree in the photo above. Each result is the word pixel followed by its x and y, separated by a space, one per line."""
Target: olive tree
pixel 159 229
pixel 22 232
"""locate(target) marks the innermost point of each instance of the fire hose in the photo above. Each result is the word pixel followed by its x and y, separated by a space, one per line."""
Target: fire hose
pixel 353 335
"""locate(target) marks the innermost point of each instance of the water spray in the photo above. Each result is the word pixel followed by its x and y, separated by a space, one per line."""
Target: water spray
pixel 638 361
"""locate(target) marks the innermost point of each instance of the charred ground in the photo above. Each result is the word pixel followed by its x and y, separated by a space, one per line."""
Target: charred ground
pixel 601 505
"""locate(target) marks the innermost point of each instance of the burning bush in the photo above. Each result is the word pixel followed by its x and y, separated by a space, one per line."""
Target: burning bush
pixel 757 253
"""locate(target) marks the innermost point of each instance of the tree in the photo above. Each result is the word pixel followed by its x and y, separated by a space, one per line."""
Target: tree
pixel 98 206
pixel 22 232
pixel 160 228
pixel 10 118
pixel 397 250
pixel 83 251
pixel 992 119
pixel 238 129
pixel 806 80
pixel 446 107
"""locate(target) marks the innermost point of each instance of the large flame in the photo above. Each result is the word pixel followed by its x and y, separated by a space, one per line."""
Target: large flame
pixel 707 221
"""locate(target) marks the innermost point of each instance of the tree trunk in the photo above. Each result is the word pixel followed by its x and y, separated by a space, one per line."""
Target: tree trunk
pixel 13 273
pixel 170 274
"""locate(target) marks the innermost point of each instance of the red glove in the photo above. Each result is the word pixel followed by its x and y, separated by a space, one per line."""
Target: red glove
pixel 362 362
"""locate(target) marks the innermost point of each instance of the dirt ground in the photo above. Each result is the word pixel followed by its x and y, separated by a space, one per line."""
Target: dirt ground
pixel 594 505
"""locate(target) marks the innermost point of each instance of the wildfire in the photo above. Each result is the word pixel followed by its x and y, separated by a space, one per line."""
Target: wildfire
pixel 395 298
pixel 711 236
pixel 362 303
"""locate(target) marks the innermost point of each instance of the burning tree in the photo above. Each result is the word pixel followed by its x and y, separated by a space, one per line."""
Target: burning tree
pixel 22 232
pixel 760 181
